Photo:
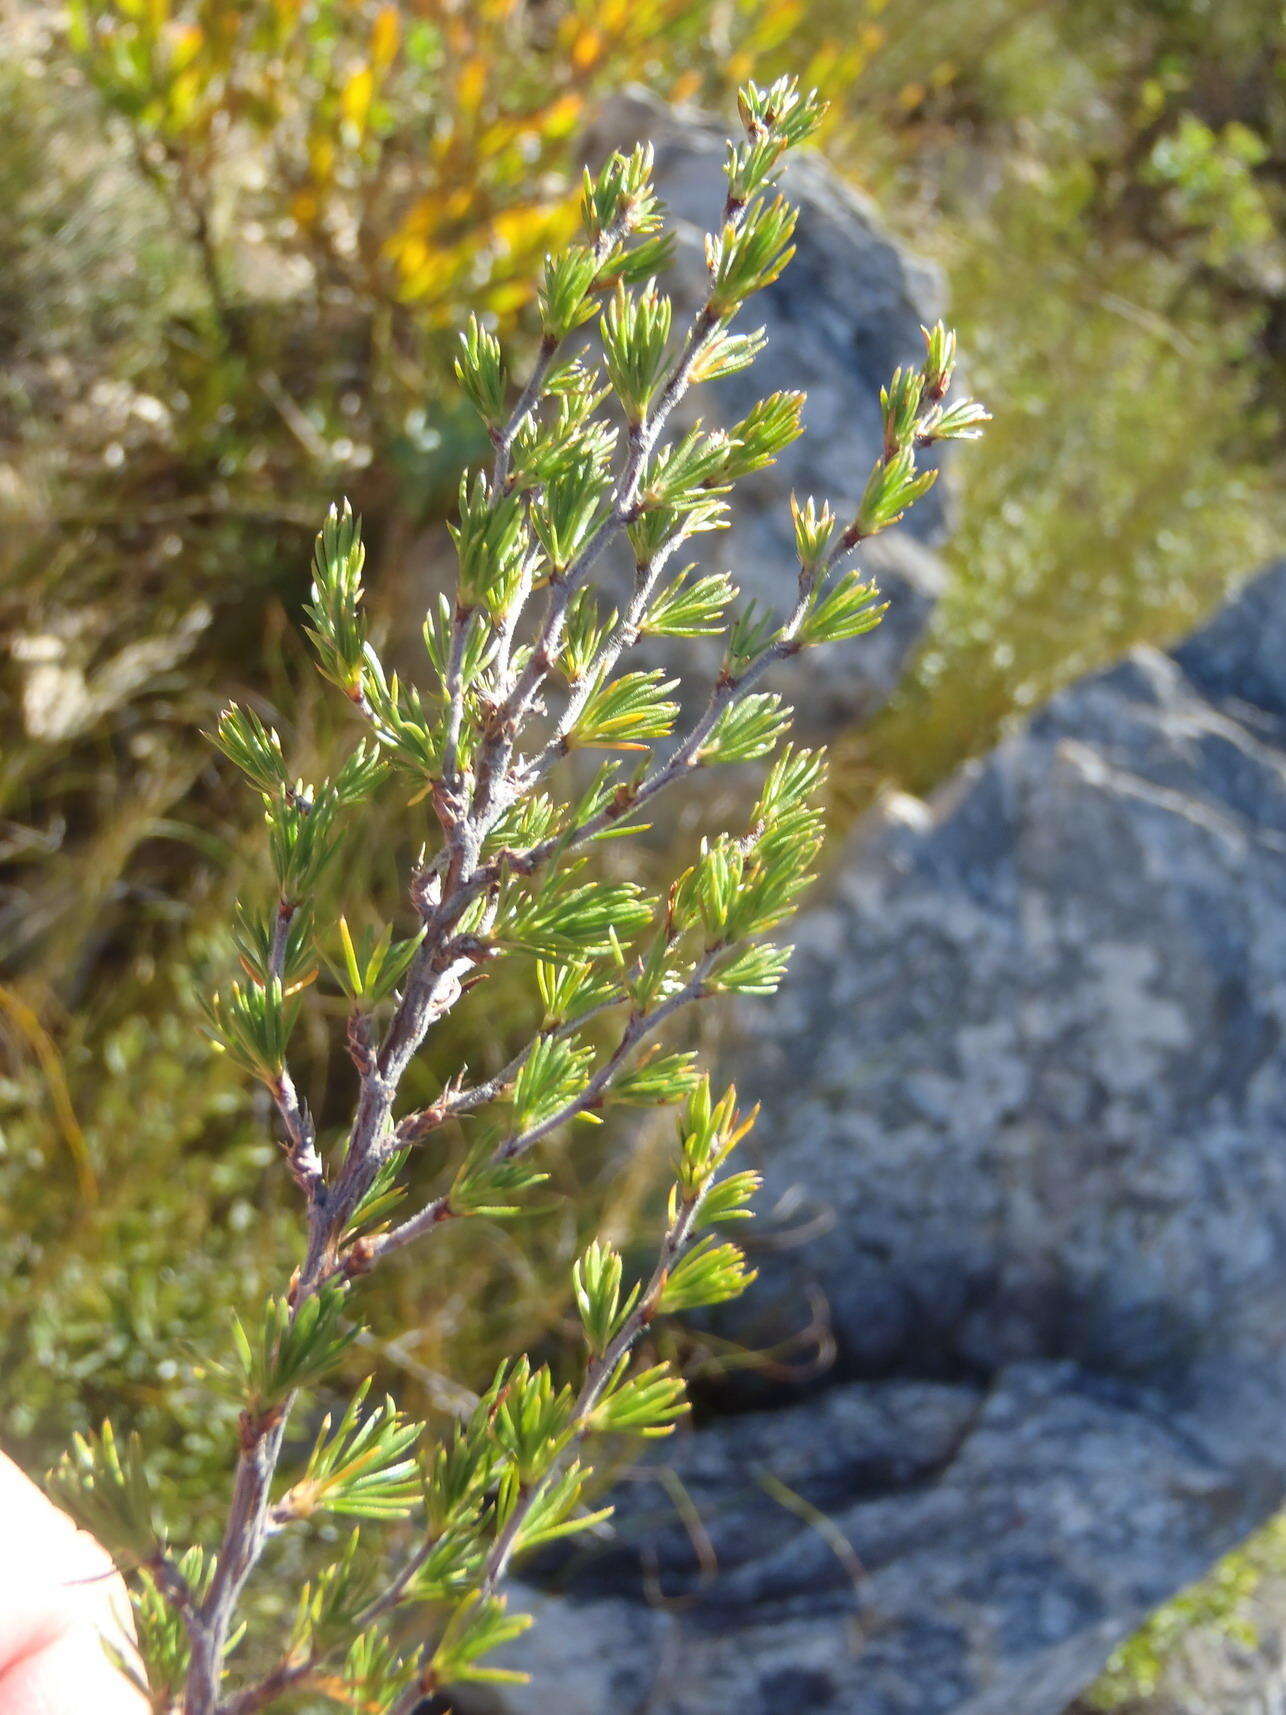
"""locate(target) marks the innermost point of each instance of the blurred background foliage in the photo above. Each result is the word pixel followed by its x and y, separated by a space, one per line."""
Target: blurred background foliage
pixel 236 238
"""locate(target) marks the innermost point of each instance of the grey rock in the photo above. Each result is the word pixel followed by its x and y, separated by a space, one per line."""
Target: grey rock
pixel 1240 657
pixel 1025 1103
pixel 1034 1047
pixel 969 1568
pixel 1218 1660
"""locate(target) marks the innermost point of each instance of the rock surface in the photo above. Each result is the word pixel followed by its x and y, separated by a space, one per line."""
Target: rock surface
pixel 1223 1645
pixel 1034 1040
pixel 1026 1096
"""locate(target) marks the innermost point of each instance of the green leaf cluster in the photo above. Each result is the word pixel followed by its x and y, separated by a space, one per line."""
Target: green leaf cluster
pixel 337 628
pixel 104 1484
pixel 362 1467
pixel 292 1347
pixel 252 1023
pixel 368 970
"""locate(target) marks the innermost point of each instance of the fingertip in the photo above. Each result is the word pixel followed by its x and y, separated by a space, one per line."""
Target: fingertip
pixel 60 1595
pixel 71 1673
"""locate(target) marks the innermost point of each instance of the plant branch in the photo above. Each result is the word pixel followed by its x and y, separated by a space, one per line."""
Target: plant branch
pixel 365 1253
pixel 415 1127
pixel 467 753
pixel 598 1373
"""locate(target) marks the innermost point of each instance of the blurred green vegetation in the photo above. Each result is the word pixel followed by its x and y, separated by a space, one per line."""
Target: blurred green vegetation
pixel 1097 182
pixel 235 238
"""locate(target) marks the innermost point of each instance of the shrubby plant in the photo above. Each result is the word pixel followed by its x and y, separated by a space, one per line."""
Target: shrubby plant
pixel 411 148
pixel 530 665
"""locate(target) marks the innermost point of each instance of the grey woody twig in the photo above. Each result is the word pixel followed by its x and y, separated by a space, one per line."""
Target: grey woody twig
pixel 365 1253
